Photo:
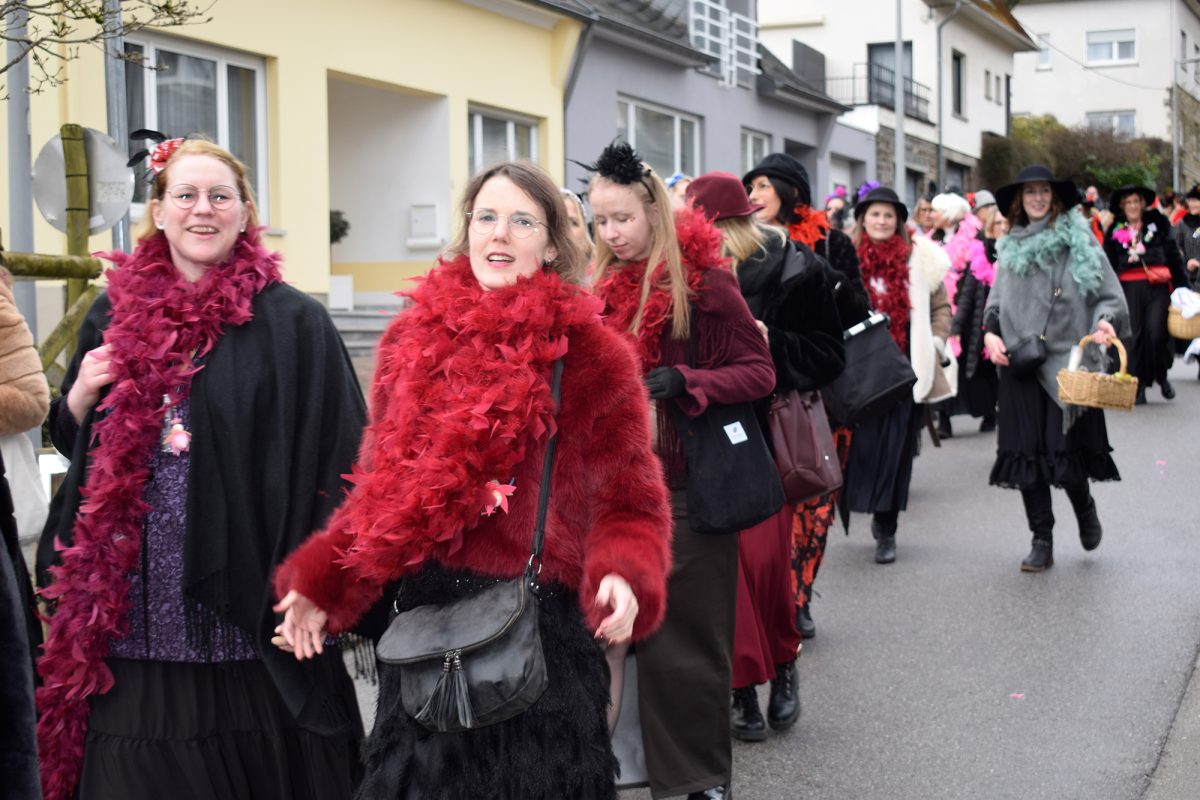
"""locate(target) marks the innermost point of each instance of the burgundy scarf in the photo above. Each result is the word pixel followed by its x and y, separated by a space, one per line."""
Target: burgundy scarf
pixel 160 321
pixel 885 274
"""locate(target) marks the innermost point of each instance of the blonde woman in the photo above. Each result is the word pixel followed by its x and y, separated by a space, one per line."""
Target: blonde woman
pixel 790 293
pixel 662 280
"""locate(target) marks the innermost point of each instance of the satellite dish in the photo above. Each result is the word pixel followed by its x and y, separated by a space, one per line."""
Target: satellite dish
pixel 110 182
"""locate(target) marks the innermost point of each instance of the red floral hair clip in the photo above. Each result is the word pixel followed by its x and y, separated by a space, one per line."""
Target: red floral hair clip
pixel 159 156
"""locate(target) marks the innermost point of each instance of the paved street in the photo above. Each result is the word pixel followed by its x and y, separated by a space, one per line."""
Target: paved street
pixel 951 674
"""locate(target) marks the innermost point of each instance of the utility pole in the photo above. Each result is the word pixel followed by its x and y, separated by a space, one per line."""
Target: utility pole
pixel 19 235
pixel 114 92
pixel 901 103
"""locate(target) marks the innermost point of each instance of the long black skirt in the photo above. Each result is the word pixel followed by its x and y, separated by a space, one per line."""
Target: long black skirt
pixel 182 731
pixel 1150 349
pixel 879 471
pixel 559 748
pixel 1031 448
pixel 977 394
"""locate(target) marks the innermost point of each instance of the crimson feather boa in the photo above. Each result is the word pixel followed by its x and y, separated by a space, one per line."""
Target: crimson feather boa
pixel 621 288
pixel 885 274
pixel 461 394
pixel 159 320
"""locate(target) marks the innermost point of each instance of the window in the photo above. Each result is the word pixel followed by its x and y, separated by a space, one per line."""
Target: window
pixel 755 147
pixel 668 140
pixel 1195 62
pixel 1111 47
pixel 196 88
pixel 731 37
pixel 999 92
pixel 987 84
pixel 958 70
pixel 499 136
pixel 881 82
pixel 1119 123
pixel 1182 45
pixel 1043 42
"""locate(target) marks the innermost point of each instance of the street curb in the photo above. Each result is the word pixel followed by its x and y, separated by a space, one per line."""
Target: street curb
pixel 1177 774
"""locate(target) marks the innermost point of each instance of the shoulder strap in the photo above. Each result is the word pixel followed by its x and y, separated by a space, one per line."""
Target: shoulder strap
pixel 1057 291
pixel 539 530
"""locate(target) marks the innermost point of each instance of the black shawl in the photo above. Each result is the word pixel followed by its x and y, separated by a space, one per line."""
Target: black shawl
pixel 276 417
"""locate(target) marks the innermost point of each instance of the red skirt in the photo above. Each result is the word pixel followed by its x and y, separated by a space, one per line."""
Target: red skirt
pixel 765 632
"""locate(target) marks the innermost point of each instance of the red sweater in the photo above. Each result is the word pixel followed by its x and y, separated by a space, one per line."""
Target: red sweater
pixel 608 504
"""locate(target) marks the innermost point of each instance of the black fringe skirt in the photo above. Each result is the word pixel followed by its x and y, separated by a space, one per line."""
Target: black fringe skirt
pixel 559 748
pixel 1031 448
pixel 181 731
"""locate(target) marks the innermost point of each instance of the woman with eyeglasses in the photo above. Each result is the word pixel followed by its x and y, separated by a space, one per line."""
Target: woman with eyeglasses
pixel 662 279
pixel 209 413
pixel 446 490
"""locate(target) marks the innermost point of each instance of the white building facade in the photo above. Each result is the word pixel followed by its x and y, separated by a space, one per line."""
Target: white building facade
pixel 1116 65
pixel 978 42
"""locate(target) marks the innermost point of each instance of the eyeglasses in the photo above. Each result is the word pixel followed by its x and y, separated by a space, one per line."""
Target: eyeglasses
pixel 219 197
pixel 522 226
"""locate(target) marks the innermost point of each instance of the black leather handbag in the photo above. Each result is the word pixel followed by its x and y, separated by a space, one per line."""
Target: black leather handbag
pixel 1027 355
pixel 479 660
pixel 732 482
pixel 877 376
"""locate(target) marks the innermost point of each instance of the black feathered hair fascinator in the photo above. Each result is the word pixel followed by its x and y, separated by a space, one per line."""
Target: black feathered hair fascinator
pixel 164 148
pixel 620 163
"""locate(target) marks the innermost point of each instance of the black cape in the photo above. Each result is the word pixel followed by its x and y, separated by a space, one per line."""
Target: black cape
pixel 276 416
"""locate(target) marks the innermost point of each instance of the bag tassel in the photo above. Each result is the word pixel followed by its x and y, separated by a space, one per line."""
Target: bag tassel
pixel 449 705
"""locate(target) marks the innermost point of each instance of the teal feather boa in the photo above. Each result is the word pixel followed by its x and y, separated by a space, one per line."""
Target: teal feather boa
pixel 1042 247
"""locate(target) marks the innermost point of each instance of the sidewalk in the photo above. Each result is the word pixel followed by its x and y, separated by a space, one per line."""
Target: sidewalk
pixel 1177 776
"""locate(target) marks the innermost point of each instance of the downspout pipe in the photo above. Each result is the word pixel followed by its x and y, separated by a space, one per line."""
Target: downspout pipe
pixel 941 80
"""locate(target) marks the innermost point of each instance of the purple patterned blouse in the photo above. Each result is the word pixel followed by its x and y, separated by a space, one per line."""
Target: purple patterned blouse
pixel 157 610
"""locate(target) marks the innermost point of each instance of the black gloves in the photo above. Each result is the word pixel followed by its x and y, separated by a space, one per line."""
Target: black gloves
pixel 664 383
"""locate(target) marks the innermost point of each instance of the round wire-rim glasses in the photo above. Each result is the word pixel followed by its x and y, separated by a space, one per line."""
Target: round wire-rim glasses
pixel 483 221
pixel 186 196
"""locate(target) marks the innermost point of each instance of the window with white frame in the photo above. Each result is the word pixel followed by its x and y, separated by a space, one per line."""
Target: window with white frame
pixel 1111 47
pixel 987 84
pixel 495 136
pixel 755 147
pixel 668 140
pixel 1043 43
pixel 999 91
pixel 729 36
pixel 1120 123
pixel 187 88
pixel 958 75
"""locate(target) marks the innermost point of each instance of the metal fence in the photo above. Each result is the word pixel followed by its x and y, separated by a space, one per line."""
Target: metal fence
pixel 873 84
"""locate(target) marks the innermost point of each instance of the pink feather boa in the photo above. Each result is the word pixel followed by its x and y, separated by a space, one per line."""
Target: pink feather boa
pixel 159 320
pixel 966 251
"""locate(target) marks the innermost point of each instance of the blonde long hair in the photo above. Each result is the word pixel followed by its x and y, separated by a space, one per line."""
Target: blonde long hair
pixel 198 146
pixel 664 248
pixel 743 237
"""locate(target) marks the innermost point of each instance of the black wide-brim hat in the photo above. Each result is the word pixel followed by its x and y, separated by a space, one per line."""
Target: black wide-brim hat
pixel 1116 198
pixel 881 194
pixel 1066 191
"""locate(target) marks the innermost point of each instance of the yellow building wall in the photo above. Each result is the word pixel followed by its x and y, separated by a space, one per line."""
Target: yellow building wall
pixel 442 47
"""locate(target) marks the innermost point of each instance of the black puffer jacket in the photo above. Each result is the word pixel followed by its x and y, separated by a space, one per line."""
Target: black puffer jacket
pixel 971 298
pixel 790 289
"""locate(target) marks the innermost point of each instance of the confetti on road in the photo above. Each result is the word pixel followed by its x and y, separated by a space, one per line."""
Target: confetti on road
pixel 1016 696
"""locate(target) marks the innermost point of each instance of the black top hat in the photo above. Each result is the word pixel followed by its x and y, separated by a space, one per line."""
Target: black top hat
pixel 1118 197
pixel 882 194
pixel 1064 190
pixel 785 168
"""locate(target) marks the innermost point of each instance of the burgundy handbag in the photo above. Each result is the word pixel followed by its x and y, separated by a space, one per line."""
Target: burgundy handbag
pixel 805 453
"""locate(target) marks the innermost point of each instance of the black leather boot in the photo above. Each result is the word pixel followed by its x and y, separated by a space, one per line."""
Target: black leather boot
pixel 944 430
pixel 783 709
pixel 1139 399
pixel 747 720
pixel 1168 391
pixel 1041 556
pixel 804 621
pixel 884 532
pixel 1089 526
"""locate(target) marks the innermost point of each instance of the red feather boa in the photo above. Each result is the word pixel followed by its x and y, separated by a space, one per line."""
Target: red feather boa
pixel 810 226
pixel 621 288
pixel 159 319
pixel 885 274
pixel 463 387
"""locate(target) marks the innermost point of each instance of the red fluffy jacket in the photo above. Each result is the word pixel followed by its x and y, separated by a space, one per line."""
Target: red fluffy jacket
pixel 608 508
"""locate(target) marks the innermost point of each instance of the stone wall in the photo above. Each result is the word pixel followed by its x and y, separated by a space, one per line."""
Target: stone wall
pixel 1189 142
pixel 920 156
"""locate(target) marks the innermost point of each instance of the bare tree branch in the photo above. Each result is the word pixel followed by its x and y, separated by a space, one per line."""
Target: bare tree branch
pixel 57 29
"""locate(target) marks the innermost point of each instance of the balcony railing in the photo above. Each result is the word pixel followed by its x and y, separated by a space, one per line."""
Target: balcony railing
pixel 873 84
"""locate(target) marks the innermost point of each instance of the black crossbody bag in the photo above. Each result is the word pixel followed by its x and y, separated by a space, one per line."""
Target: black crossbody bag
pixel 479 660
pixel 1027 355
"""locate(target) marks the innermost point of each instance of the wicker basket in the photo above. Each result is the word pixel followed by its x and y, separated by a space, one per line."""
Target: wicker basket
pixel 1095 389
pixel 1182 328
